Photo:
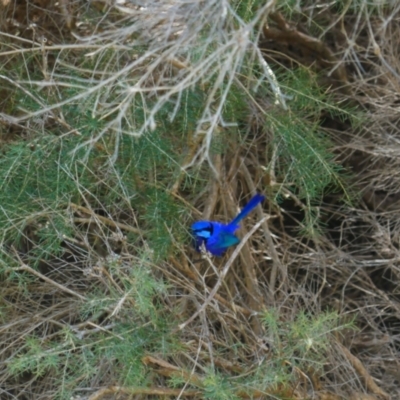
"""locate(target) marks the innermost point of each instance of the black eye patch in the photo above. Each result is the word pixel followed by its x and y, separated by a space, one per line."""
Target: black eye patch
pixel 205 232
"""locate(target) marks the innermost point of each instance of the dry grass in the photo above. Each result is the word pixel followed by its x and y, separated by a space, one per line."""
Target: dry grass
pixel 67 310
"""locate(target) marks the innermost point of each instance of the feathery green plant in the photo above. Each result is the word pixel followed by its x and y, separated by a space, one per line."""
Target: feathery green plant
pixel 140 326
pixel 300 344
pixel 306 162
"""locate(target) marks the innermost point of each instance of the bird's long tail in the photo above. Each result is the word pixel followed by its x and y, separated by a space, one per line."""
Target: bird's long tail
pixel 248 208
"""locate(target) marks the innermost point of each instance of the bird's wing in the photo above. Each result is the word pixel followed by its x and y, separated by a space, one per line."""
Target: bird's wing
pixel 219 243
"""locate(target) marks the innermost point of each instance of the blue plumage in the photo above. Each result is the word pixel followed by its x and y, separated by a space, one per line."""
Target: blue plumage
pixel 216 236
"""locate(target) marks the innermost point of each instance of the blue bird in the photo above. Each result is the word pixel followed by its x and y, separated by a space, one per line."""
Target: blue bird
pixel 216 236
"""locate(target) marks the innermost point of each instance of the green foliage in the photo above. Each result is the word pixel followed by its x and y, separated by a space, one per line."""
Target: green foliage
pixel 161 217
pixel 39 179
pixel 34 189
pixel 302 343
pixel 143 327
pixel 217 387
pixel 307 164
pixel 140 326
pixel 246 9
pixel 298 344
pixel 76 361
pixel 35 359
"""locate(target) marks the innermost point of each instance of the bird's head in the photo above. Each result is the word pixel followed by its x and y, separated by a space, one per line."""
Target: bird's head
pixel 203 229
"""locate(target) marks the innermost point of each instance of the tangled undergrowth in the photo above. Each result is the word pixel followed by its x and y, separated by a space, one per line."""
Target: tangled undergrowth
pixel 121 123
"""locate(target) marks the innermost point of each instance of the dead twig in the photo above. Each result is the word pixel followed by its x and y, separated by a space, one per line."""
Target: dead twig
pixel 27 268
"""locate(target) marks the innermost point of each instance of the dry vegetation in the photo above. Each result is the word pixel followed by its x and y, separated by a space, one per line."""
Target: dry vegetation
pixel 117 131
